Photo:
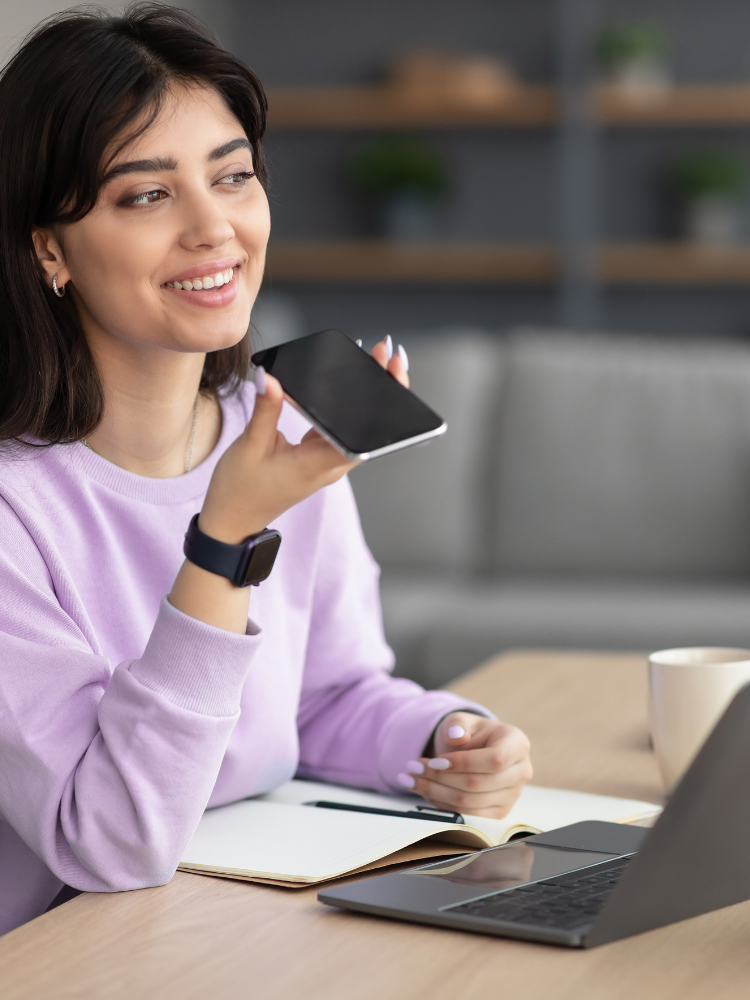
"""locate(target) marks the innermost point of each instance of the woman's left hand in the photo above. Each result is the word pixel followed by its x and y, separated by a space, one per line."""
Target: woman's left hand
pixel 480 766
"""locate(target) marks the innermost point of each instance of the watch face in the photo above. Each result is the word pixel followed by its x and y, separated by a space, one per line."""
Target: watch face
pixel 262 558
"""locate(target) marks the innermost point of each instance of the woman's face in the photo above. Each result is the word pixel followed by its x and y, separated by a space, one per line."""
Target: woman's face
pixel 180 204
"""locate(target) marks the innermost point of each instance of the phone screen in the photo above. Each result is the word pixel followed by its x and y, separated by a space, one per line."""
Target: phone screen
pixel 348 395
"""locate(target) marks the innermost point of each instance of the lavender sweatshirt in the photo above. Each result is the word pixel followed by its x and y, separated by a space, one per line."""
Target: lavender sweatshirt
pixel 121 718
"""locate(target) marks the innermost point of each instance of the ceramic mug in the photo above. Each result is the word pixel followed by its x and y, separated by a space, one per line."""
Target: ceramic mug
pixel 688 692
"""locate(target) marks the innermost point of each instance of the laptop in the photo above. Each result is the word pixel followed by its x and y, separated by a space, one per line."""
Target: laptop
pixel 591 883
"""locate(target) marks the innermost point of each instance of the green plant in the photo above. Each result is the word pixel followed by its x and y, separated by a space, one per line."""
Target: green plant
pixel 632 41
pixel 390 166
pixel 717 173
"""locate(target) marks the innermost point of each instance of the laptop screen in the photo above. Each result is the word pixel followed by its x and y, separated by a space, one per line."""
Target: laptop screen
pixel 510 865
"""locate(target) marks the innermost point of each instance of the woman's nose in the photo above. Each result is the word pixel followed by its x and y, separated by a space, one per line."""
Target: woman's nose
pixel 204 223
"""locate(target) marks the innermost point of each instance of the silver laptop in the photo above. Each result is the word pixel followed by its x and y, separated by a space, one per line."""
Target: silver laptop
pixel 590 883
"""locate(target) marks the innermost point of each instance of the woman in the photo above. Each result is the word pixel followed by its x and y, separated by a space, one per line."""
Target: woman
pixel 134 688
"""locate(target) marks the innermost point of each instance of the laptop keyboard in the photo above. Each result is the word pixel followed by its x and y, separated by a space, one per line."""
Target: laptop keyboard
pixel 565 902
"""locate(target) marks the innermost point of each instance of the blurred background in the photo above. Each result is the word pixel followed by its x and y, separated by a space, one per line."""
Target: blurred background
pixel 548 204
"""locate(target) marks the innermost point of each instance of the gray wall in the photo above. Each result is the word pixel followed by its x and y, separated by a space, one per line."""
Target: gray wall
pixel 18 18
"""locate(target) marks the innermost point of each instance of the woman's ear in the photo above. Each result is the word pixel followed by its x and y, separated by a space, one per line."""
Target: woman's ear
pixel 50 255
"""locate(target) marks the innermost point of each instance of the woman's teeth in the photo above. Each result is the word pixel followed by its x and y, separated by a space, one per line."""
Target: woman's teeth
pixel 210 281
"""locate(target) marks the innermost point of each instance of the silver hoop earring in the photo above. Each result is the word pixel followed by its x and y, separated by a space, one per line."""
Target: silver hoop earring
pixel 59 292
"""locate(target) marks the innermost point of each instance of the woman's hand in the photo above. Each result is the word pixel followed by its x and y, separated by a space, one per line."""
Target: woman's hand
pixel 397 363
pixel 261 475
pixel 480 766
pixel 258 477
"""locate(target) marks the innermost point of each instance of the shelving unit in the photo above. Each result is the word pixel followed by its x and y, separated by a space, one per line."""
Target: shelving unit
pixel 524 107
pixel 369 262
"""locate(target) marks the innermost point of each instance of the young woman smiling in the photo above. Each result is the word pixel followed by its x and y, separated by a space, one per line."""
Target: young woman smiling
pixel 134 688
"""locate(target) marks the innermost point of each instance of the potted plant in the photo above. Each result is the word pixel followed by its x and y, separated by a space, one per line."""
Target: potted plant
pixel 634 56
pixel 710 184
pixel 405 177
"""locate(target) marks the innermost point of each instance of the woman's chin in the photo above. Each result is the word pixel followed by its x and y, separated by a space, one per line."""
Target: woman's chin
pixel 205 344
pixel 209 332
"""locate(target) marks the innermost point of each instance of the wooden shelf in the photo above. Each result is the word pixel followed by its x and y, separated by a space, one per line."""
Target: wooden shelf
pixel 367 107
pixel 382 107
pixel 366 262
pixel 725 105
pixel 375 262
pixel 675 263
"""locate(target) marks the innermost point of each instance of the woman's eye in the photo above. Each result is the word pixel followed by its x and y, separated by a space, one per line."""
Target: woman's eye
pixel 147 198
pixel 238 179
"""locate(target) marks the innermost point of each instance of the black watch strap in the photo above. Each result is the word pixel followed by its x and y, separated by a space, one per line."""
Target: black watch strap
pixel 248 563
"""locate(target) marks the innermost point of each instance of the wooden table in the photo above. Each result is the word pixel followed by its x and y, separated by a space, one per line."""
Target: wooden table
pixel 201 937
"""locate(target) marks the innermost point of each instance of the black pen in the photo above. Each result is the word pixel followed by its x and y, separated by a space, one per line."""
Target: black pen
pixel 419 812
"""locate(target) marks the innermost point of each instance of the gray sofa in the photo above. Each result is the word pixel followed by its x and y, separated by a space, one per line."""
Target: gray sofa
pixel 592 491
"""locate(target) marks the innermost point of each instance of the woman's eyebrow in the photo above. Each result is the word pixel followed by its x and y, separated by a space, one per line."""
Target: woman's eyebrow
pixel 227 148
pixel 162 163
pixel 140 167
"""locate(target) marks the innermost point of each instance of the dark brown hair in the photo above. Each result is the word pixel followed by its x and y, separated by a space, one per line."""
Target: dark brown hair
pixel 85 83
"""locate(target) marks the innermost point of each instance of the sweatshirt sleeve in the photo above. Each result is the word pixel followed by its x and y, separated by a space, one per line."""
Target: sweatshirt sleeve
pixel 106 771
pixel 357 724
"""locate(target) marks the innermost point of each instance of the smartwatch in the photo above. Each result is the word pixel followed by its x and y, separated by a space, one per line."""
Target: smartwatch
pixel 248 563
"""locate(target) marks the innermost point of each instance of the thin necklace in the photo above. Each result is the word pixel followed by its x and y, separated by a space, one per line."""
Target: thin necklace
pixel 189 463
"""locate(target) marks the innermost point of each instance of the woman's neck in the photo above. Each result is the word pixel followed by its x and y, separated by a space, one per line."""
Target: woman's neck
pixel 150 401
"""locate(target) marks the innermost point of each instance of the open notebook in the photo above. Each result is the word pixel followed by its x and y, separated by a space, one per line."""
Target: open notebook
pixel 276 838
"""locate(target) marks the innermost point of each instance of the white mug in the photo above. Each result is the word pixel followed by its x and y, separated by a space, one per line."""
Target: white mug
pixel 688 692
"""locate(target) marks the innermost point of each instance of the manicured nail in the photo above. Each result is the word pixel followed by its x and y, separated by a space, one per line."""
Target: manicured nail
pixel 456 732
pixel 260 380
pixel 389 347
pixel 415 766
pixel 439 764
pixel 406 780
pixel 404 357
pixel 359 343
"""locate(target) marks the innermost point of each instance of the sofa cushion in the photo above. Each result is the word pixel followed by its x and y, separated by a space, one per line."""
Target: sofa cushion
pixel 420 508
pixel 440 627
pixel 618 454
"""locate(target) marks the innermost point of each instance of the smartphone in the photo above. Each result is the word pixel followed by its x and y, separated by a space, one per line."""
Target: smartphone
pixel 346 395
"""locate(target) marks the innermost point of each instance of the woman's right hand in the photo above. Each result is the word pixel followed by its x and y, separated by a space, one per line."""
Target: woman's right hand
pixel 261 475
pixel 257 478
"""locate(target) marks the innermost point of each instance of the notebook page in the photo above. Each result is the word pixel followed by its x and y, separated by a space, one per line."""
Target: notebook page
pixel 548 808
pixel 273 840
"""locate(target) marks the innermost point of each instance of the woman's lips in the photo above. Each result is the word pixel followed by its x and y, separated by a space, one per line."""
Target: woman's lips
pixel 208 298
pixel 208 267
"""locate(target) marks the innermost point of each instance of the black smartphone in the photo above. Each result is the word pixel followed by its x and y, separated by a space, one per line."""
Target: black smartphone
pixel 353 402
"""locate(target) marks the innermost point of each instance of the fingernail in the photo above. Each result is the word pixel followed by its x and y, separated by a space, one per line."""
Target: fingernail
pixel 389 347
pixel 415 766
pixel 404 357
pixel 358 343
pixel 456 732
pixel 406 780
pixel 439 764
pixel 260 380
